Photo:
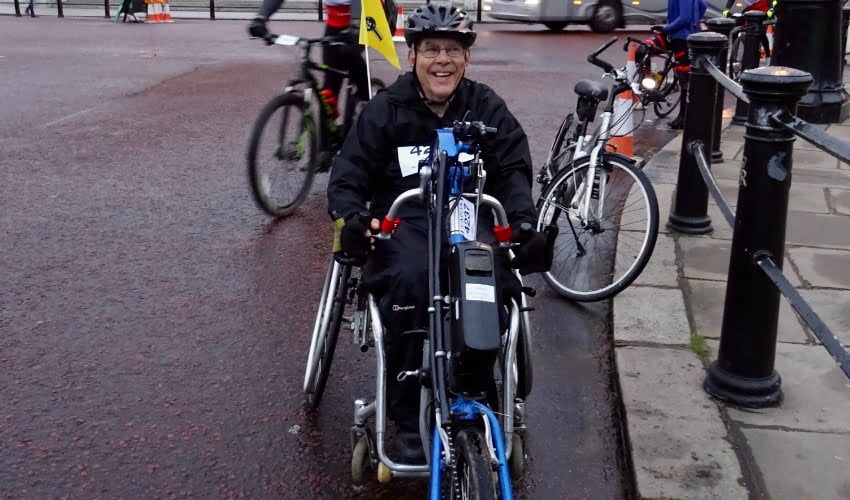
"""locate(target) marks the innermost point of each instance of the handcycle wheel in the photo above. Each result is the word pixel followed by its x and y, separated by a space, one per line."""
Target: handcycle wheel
pixel 516 461
pixel 563 145
pixel 325 332
pixel 598 256
pixel 475 477
pixel 361 460
pixel 666 99
pixel 282 154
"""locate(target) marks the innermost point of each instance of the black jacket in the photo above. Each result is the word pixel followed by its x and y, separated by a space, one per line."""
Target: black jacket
pixel 367 167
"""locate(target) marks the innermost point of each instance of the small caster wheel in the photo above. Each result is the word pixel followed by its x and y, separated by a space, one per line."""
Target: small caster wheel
pixel 516 462
pixel 360 461
pixel 384 474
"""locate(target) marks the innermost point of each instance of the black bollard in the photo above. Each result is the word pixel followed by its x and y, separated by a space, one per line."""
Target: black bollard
pixel 106 9
pixel 212 10
pixel 813 46
pixel 845 24
pixel 751 38
pixel 60 13
pixel 17 9
pixel 689 213
pixel 722 25
pixel 743 373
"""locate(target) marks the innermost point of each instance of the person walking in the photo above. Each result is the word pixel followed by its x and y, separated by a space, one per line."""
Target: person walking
pixel 683 18
pixel 30 10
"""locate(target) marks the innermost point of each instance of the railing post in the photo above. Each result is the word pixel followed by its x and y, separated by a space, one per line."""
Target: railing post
pixel 321 11
pixel 845 23
pixel 212 10
pixel 807 37
pixel 724 26
pixel 750 58
pixel 689 213
pixel 59 12
pixel 743 372
pixel 106 9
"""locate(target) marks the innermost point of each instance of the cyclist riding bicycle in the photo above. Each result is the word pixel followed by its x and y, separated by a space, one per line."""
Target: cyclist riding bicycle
pixel 683 18
pixel 380 159
pixel 766 6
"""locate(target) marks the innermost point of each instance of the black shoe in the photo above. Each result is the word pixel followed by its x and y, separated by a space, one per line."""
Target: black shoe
pixel 677 123
pixel 324 160
pixel 408 446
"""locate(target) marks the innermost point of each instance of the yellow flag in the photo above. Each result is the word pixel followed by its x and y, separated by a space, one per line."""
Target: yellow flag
pixel 375 31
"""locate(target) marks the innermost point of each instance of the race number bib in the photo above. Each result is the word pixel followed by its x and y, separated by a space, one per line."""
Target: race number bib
pixel 409 157
pixel 464 217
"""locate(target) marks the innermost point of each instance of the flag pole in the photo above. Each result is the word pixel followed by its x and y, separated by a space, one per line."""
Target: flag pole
pixel 368 71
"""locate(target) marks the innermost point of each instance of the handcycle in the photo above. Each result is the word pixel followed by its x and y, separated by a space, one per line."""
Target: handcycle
pixel 655 80
pixel 603 206
pixel 283 150
pixel 474 376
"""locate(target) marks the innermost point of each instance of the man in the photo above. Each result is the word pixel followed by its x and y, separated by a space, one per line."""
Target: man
pixel 379 159
pixel 683 18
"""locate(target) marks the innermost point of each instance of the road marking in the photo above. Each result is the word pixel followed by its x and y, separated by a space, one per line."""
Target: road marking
pixel 68 117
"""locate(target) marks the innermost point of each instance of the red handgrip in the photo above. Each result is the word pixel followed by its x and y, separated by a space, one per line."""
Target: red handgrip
pixel 389 225
pixel 503 233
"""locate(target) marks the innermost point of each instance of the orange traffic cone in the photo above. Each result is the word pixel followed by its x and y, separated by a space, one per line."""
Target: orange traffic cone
pixel 622 139
pixel 398 34
pixel 166 12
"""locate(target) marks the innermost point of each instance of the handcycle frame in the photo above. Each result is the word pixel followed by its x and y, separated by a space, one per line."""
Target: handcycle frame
pixel 441 180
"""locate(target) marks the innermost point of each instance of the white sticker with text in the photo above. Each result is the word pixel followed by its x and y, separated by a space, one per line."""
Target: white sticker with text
pixel 482 293
pixel 464 218
pixel 409 157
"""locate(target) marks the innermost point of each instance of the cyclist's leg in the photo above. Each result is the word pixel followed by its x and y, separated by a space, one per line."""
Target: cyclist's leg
pixel 359 75
pixel 395 274
pixel 682 68
pixel 334 56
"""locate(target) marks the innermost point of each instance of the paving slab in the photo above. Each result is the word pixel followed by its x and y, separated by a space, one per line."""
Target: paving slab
pixel 704 257
pixel 706 301
pixel 661 269
pixel 664 193
pixel 647 314
pixel 832 308
pixel 821 268
pixel 813 159
pixel 839 199
pixel 816 393
pixel 825 458
pixel 818 230
pixel 679 443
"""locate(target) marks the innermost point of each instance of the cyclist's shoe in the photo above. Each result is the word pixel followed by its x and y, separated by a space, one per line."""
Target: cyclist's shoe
pixel 677 123
pixel 325 160
pixel 408 447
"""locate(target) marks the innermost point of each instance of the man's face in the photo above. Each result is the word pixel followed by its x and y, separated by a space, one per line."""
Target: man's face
pixel 439 64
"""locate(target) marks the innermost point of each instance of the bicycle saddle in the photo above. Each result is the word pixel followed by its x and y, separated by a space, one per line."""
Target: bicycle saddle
pixel 592 89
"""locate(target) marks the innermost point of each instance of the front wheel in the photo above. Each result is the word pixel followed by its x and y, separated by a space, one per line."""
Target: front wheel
pixel 607 226
pixel 475 478
pixel 282 155
pixel 667 97
pixel 607 17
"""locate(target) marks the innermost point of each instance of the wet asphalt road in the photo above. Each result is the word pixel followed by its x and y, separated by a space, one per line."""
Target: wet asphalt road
pixel 154 323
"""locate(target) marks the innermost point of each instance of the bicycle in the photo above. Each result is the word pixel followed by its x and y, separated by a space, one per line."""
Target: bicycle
pixel 296 124
pixel 602 205
pixel 655 79
pixel 472 435
pixel 735 63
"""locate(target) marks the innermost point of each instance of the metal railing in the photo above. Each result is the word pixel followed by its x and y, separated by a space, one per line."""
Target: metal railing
pixel 744 371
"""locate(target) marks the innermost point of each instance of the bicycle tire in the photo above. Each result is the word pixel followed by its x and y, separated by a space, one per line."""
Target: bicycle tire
pixel 350 112
pixel 475 477
pixel 598 259
pixel 326 334
pixel 279 188
pixel 667 97
pixel 559 153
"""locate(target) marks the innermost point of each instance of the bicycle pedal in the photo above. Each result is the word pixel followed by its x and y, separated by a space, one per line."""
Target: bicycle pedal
pixel 530 291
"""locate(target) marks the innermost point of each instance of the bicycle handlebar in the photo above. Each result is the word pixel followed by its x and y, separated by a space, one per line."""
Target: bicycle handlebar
pixel 274 39
pixel 594 60
pixel 470 131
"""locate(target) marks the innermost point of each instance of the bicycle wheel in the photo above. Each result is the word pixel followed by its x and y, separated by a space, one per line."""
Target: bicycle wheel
pixel 351 102
pixel 666 98
pixel 282 154
pixel 601 247
pixel 474 475
pixel 563 145
pixel 325 332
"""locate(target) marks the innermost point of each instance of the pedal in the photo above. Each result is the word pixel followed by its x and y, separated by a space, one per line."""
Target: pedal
pixel 530 291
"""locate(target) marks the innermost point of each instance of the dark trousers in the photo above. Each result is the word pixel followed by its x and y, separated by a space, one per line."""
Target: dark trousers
pixel 347 57
pixel 397 274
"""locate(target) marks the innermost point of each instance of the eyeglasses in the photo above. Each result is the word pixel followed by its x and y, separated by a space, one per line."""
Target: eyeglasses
pixel 431 52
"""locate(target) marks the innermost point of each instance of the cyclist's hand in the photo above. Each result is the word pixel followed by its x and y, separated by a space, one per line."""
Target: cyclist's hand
pixel 725 13
pixel 353 238
pixel 535 250
pixel 257 28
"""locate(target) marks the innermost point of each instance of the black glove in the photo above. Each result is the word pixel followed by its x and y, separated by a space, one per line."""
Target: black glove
pixel 351 246
pixel 258 28
pixel 535 250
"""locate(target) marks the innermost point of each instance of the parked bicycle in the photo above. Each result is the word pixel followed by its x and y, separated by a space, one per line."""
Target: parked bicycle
pixel 291 130
pixel 474 376
pixel 603 205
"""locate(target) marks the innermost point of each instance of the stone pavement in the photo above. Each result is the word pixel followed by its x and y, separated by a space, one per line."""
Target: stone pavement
pixel 667 325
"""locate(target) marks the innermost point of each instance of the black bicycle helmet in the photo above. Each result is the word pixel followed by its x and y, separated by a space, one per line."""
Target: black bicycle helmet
pixel 438 19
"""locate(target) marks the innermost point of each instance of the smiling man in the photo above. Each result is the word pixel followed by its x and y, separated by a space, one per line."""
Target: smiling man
pixel 380 159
